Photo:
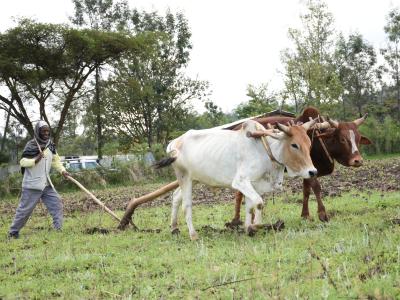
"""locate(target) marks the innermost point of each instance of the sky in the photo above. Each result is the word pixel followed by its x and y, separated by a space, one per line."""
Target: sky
pixel 236 42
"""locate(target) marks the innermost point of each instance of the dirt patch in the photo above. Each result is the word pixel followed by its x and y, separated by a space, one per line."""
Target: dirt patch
pixel 395 221
pixel 96 230
pixel 278 226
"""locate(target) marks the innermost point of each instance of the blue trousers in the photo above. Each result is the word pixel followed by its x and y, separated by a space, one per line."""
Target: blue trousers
pixel 29 200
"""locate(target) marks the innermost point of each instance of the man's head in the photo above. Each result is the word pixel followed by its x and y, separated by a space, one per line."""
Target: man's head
pixel 42 132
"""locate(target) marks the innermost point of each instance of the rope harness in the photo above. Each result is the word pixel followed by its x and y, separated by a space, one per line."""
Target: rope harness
pixel 321 141
pixel 267 147
pixel 271 156
pixel 315 130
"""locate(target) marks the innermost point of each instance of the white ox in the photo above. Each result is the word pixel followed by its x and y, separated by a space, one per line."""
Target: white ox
pixel 236 159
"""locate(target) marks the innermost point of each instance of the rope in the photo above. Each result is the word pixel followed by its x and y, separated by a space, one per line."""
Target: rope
pixel 321 142
pixel 266 146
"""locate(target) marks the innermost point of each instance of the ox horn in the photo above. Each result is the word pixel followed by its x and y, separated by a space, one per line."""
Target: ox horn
pixel 309 124
pixel 359 121
pixel 284 128
pixel 323 125
pixel 334 124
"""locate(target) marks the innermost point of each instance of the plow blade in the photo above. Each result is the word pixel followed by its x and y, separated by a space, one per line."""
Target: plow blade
pixel 135 202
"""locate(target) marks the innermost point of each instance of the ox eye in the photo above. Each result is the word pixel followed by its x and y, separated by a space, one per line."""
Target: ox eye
pixel 295 146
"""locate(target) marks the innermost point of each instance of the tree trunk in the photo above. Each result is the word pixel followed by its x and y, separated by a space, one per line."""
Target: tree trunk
pixel 3 142
pixel 98 115
pixel 344 110
pixel 398 97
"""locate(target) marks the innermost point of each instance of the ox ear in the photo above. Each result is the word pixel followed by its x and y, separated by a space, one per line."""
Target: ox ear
pixel 365 141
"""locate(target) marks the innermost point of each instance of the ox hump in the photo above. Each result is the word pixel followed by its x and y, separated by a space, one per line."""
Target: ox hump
pixel 250 126
pixel 309 112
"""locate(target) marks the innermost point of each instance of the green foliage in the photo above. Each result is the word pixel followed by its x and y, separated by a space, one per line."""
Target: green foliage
pixel 48 64
pixel 391 53
pixel 385 136
pixel 261 101
pixel 11 185
pixel 310 74
pixel 149 93
pixel 76 145
pixel 4 157
pixel 100 14
pixel 357 72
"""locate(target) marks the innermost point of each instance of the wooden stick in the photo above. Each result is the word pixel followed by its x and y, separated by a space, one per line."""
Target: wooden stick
pixel 94 198
pixel 126 219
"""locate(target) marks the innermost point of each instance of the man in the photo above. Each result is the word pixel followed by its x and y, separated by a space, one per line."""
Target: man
pixel 37 159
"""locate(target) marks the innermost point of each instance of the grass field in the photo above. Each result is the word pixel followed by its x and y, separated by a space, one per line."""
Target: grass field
pixel 355 255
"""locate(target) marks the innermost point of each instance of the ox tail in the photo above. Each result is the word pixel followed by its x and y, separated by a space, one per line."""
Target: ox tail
pixel 165 162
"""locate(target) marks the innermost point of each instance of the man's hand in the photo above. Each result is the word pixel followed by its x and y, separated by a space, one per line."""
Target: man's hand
pixel 65 174
pixel 39 157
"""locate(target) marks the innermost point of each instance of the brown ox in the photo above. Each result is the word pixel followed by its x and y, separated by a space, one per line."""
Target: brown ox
pixel 341 142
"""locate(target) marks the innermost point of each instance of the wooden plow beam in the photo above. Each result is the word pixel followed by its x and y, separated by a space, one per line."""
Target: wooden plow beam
pixel 135 202
pixel 106 209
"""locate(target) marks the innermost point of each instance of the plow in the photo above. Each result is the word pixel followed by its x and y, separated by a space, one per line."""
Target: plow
pixel 134 203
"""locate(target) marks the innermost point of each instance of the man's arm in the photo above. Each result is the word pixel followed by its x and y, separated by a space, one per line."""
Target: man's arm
pixel 56 164
pixel 30 162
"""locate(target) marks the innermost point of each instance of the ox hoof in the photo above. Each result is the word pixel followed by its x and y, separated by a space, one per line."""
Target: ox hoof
pixel 306 217
pixel 323 217
pixel 234 224
pixel 251 231
pixel 194 236
pixel 175 231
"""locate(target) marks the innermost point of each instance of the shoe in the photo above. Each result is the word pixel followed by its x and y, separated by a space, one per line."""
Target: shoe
pixel 13 235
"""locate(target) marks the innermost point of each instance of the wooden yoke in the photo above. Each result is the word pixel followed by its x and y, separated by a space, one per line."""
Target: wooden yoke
pixel 135 202
pixel 256 134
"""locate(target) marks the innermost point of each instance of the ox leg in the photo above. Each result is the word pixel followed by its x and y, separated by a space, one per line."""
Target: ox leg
pixel 176 200
pixel 305 213
pixel 316 186
pixel 236 219
pixel 186 187
pixel 254 204
pixel 249 217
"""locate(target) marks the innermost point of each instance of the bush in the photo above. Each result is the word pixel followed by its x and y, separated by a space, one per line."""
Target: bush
pixel 11 185
pixel 385 136
pixel 4 158
pixel 136 171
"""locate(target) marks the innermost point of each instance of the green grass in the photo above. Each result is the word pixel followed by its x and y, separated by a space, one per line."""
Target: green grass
pixel 356 254
pixel 381 156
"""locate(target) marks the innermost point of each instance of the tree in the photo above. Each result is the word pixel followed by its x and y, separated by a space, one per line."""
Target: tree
pixel 149 94
pixel 310 75
pixel 357 72
pixel 261 101
pixel 43 66
pixel 100 15
pixel 392 52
